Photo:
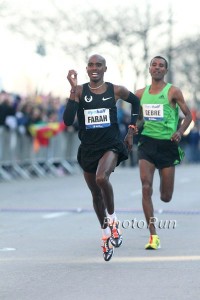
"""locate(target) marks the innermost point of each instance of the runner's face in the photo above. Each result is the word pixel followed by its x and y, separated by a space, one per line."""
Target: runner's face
pixel 96 69
pixel 158 69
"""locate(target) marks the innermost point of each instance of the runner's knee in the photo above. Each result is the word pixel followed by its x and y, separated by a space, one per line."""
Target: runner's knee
pixel 101 180
pixel 166 196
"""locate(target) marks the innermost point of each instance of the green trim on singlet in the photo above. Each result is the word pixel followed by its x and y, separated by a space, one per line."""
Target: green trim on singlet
pixel 156 124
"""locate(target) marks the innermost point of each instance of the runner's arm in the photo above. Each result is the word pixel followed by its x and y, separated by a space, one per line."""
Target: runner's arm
pixel 70 112
pixel 135 107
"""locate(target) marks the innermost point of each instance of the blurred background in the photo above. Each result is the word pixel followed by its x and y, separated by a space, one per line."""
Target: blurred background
pixel 42 39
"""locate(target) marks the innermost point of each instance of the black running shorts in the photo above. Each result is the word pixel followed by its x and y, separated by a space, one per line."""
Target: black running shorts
pixel 161 153
pixel 89 155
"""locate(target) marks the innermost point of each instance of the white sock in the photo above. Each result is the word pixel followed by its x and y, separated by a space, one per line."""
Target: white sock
pixel 106 231
pixel 112 217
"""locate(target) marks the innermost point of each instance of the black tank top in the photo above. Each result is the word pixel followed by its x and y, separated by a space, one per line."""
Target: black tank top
pixel 97 117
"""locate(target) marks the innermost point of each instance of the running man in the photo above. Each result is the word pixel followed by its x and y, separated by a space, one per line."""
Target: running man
pixel 158 145
pixel 101 148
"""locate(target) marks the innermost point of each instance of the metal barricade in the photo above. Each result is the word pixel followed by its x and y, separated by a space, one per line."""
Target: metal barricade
pixel 18 159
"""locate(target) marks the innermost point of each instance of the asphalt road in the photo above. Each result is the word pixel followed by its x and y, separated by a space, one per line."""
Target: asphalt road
pixel 50 241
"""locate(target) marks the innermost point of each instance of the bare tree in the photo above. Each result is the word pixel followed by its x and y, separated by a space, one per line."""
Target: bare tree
pixel 129 37
pixel 187 56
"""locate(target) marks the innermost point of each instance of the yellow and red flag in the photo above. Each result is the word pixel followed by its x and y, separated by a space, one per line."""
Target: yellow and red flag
pixel 43 132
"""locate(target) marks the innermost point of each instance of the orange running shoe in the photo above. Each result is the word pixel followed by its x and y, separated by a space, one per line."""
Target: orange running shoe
pixel 116 237
pixel 107 247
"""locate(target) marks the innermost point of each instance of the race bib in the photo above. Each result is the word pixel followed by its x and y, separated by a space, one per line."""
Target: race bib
pixel 97 118
pixel 153 112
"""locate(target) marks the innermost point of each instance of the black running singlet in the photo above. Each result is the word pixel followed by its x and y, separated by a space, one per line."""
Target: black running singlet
pixel 97 117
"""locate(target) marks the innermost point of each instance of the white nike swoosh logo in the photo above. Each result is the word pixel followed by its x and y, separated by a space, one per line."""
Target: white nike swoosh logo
pixel 104 99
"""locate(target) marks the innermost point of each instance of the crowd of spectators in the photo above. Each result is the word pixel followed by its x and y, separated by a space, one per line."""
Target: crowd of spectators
pixel 18 113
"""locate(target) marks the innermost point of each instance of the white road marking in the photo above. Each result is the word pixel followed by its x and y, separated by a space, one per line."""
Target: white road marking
pixel 99 260
pixel 7 249
pixel 54 215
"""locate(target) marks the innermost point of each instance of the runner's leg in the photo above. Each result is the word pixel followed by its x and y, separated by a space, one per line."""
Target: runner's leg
pixel 106 166
pixel 97 198
pixel 167 176
pixel 147 170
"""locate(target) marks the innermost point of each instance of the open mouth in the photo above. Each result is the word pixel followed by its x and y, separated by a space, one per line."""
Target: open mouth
pixel 94 74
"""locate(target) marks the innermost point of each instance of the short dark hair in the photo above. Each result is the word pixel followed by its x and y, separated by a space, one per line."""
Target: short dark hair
pixel 160 57
pixel 100 57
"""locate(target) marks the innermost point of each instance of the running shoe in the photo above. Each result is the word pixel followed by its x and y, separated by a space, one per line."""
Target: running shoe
pixel 154 243
pixel 108 249
pixel 116 237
